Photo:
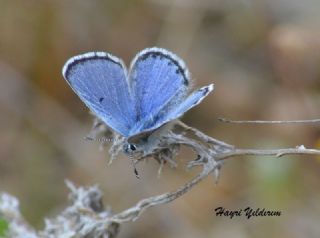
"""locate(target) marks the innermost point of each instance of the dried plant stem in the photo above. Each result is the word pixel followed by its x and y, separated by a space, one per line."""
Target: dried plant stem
pixel 311 121
pixel 267 152
pixel 86 216
pixel 203 136
pixel 134 212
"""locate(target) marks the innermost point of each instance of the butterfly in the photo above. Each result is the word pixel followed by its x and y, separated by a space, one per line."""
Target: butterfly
pixel 153 92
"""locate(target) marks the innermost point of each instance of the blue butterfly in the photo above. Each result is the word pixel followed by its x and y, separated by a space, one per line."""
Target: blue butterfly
pixel 152 93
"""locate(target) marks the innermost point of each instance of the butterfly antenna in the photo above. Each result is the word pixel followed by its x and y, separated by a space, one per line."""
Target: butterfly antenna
pixel 89 138
pixel 134 167
pixel 102 139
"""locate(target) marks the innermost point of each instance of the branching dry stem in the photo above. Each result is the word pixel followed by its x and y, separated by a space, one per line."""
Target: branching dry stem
pixel 86 216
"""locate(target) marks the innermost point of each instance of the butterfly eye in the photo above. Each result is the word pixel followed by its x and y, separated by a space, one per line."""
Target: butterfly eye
pixel 129 148
pixel 132 147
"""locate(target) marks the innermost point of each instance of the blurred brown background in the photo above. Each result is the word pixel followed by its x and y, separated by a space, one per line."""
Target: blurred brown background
pixel 264 58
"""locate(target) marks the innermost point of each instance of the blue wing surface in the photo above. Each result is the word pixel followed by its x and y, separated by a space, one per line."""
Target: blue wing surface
pixel 175 111
pixel 156 77
pixel 191 101
pixel 100 80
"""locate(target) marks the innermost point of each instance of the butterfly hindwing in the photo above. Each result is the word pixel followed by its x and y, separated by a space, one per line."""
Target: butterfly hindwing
pixel 100 80
pixel 191 101
pixel 175 111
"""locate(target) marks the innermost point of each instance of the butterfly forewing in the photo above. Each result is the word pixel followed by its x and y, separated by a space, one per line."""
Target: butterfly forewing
pixel 99 79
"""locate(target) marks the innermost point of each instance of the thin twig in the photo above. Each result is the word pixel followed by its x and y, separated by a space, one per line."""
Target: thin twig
pixel 267 152
pixel 311 121
pixel 203 136
pixel 134 212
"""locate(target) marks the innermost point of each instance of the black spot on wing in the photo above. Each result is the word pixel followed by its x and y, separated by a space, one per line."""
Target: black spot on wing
pixel 161 55
pixel 83 59
pixel 101 99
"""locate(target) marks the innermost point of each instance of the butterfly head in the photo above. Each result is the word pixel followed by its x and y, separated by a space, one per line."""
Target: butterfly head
pixel 138 146
pixel 132 149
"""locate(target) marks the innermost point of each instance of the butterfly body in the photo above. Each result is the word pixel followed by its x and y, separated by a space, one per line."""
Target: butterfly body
pixel 152 93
